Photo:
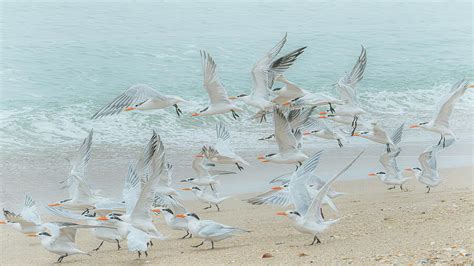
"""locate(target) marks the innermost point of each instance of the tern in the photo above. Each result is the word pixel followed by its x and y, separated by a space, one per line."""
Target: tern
pixel 392 175
pixel 440 122
pixel 428 174
pixel 61 239
pixel 209 230
pixel 379 135
pixel 222 152
pixel 176 223
pixel 346 87
pixel 288 144
pixel 204 176
pixel 264 73
pixel 105 234
pixel 210 197
pixel 307 217
pixel 28 221
pixel 139 97
pixel 287 93
pixel 326 132
pixel 219 101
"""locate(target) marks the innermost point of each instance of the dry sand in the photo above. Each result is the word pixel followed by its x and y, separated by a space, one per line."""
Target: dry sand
pixel 377 226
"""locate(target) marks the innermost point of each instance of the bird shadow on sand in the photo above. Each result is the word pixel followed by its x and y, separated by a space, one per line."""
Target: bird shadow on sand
pixel 202 249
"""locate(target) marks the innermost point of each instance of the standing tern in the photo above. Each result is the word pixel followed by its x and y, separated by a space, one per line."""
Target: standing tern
pixel 379 135
pixel 222 152
pixel 139 97
pixel 219 101
pixel 392 175
pixel 307 217
pixel 428 174
pixel 209 230
pixel 440 122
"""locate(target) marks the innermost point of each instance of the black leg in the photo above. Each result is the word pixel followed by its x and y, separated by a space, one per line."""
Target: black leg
pixel 440 139
pixel 198 245
pixel 390 188
pixel 187 234
pixel 388 147
pixel 208 207
pixel 315 239
pixel 146 254
pixel 263 118
pixel 234 114
pixel 85 212
pixel 340 143
pixel 444 142
pixel 218 209
pixel 239 167
pixel 401 187
pixel 212 244
pixel 178 111
pixel 212 187
pixel 140 254
pixel 429 188
pixel 331 109
pixel 118 244
pixel 96 249
pixel 321 210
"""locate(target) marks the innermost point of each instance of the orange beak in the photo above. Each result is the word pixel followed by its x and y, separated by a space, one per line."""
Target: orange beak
pixel 408 169
pixel 232 98
pixel 264 161
pixel 277 188
pixel 32 235
pixel 199 155
pixel 102 218
pixel 356 135
pixel 186 189
pixel 306 133
pixel 195 114
pixel 181 215
pixel 54 204
pixel 322 116
pixel 281 213
pixel 372 174
pixel 323 113
pixel 414 126
pixel 130 109
pixel 471 86
pixel 261 157
pixel 156 210
pixel 3 222
pixel 285 103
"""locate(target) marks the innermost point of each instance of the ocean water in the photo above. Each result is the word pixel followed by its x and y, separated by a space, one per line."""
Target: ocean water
pixel 61 61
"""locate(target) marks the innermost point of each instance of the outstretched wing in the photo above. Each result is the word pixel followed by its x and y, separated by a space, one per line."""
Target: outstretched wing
pixel 29 211
pixel 131 97
pixel 280 65
pixel 397 134
pixel 314 210
pixel 389 163
pixel 284 137
pixel 446 105
pixel 212 84
pixel 223 145
pixel 346 85
pixel 274 197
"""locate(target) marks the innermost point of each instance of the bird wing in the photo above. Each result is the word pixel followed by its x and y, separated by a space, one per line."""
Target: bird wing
pixel 280 65
pixel 141 211
pixel 131 97
pixel 283 135
pixel 212 84
pixel 81 159
pixel 15 218
pixel 397 134
pixel 314 210
pixel 211 228
pixel 81 191
pixel 29 211
pixel 446 105
pixel 199 168
pixel 297 186
pixel 301 118
pixel 143 164
pixel 223 145
pixel 260 71
pixel 165 201
pixel 274 197
pixel 346 85
pixel 389 163
pixel 61 212
pixel 131 190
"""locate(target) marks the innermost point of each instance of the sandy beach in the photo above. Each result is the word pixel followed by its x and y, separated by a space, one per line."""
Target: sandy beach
pixel 377 226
